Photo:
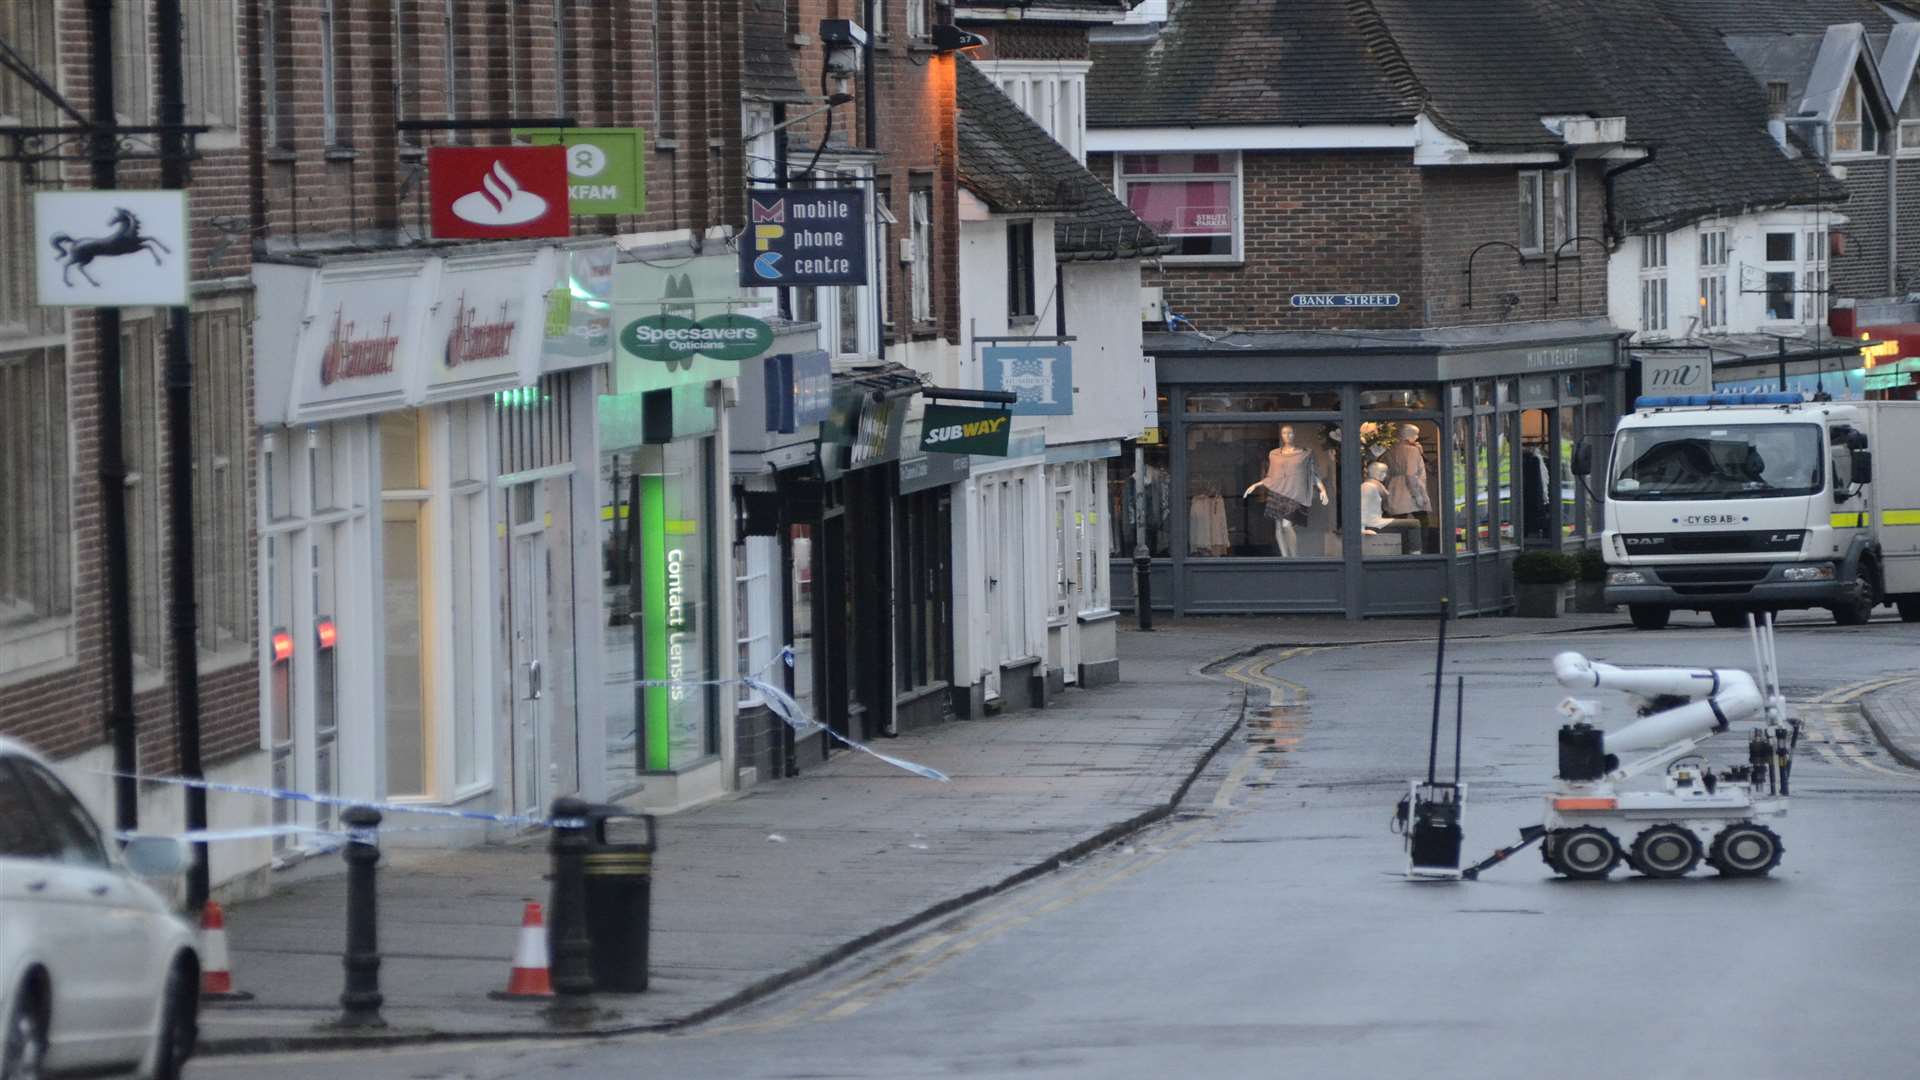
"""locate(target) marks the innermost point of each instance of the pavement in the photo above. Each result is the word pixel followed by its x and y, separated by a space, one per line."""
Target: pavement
pixel 1894 715
pixel 757 891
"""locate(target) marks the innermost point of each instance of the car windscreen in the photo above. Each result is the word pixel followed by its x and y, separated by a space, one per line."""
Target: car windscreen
pixel 1717 461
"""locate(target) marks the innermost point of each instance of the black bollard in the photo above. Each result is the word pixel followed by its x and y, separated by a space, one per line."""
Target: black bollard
pixel 360 1004
pixel 569 951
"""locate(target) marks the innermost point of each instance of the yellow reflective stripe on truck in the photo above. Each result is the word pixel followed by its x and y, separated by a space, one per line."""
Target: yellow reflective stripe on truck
pixel 1900 517
pixel 1852 520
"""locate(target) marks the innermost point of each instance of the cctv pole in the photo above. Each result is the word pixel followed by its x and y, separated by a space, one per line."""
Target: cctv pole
pixel 104 149
pixel 184 622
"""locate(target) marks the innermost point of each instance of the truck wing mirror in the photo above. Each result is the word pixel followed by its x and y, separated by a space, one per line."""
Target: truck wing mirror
pixel 1582 459
pixel 1862 466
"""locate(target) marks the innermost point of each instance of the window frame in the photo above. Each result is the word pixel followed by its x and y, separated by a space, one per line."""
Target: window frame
pixel 132 71
pixel 1236 197
pixel 924 312
pixel 1532 184
pixel 214 66
pixel 1654 284
pixel 43 630
pixel 1021 295
pixel 1774 268
pixel 1713 277
pixel 1865 124
pixel 1567 194
pixel 330 119
pixel 221 487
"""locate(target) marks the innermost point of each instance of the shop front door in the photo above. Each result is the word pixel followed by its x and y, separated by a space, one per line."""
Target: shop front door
pixel 539 621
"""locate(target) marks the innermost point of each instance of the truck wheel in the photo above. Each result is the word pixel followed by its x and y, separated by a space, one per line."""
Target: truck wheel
pixel 1909 608
pixel 1649 617
pixel 1856 605
pixel 1728 618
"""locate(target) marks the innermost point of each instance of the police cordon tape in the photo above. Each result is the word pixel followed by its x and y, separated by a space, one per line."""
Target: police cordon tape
pixel 779 702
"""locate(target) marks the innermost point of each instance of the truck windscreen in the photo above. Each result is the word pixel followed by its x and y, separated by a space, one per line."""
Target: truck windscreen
pixel 1718 461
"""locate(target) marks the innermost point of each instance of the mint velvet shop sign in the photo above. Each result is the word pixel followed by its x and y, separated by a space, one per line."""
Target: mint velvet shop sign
pixel 805 237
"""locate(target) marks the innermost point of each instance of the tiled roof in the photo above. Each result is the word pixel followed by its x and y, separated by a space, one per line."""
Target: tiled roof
pixel 1686 94
pixel 1246 62
pixel 1781 16
pixel 1481 63
pixel 767 74
pixel 1012 164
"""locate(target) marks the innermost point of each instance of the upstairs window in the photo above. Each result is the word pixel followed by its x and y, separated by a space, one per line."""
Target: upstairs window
pixel 1533 220
pixel 1193 200
pixel 1653 283
pixel 1910 120
pixel 1855 130
pixel 1020 270
pixel 1713 279
pixel 1566 184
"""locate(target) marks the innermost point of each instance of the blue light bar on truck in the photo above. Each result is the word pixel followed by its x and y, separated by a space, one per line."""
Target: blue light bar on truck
pixel 1682 401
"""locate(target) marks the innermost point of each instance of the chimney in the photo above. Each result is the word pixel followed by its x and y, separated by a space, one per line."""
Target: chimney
pixel 1777 114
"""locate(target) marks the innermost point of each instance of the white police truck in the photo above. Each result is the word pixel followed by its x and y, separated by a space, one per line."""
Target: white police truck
pixel 1737 503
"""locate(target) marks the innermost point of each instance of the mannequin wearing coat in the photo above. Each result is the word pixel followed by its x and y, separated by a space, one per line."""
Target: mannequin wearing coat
pixel 1291 483
pixel 1407 475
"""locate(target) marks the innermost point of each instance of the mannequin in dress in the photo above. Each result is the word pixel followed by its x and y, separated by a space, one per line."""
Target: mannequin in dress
pixel 1291 482
pixel 1407 475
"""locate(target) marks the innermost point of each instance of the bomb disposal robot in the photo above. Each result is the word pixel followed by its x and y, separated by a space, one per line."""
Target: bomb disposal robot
pixel 1665 810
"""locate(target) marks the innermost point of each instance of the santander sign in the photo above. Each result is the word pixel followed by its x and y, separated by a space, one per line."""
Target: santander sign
pixel 495 192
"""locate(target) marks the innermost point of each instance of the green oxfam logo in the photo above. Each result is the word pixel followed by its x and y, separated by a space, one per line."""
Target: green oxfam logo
pixel 676 340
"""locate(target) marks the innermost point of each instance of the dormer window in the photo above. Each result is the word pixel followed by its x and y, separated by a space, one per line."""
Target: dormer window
pixel 1855 130
pixel 1910 120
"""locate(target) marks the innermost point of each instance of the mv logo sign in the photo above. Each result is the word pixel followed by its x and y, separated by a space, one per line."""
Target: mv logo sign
pixel 769 225
pixel 1675 375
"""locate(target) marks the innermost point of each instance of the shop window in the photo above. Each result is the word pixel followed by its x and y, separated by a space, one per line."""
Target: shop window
pixel 800 629
pixel 1504 494
pixel 1573 512
pixel 1465 505
pixel 671 601
pixel 403 539
pixel 923 611
pixel 1399 487
pixel 1420 399
pixel 1310 399
pixel 1264 489
pixel 753 561
pixel 1192 200
pixel 1132 507
pixel 36 557
pixel 1536 476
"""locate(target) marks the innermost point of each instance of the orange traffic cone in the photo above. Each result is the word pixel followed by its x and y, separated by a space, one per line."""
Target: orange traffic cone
pixel 528 978
pixel 216 970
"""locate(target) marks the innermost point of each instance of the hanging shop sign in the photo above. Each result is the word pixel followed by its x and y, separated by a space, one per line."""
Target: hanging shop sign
pixel 1346 300
pixel 1041 376
pixel 799 390
pixel 657 306
pixel 496 192
pixel 111 248
pixel 805 237
pixel 579 324
pixel 1676 375
pixel 860 430
pixel 606 167
pixel 960 429
pixel 919 472
pixel 677 341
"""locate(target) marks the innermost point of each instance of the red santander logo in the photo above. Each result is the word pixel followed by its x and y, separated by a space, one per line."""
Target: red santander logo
pixel 491 192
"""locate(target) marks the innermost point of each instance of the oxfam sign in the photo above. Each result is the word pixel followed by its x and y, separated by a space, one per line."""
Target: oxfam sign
pixel 676 340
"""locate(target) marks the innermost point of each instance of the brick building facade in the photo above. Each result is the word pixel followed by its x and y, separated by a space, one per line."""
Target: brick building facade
pixel 54 682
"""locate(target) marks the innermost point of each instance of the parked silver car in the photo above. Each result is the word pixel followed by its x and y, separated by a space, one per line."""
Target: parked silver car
pixel 97 975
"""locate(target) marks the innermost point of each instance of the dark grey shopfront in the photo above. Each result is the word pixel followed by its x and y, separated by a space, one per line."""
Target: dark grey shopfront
pixel 1414 466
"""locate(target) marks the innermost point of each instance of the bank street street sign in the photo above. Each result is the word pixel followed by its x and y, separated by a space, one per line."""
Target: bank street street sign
pixel 111 248
pixel 606 167
pixel 813 237
pixel 959 429
pixel 1346 300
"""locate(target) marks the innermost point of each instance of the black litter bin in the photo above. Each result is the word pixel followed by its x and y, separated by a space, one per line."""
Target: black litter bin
pixel 619 880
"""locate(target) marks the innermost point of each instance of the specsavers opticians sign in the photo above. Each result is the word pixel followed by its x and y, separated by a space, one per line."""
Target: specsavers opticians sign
pixel 676 340
pixel 955 429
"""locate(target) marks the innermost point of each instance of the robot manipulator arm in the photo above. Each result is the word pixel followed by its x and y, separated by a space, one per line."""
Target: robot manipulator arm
pixel 1711 699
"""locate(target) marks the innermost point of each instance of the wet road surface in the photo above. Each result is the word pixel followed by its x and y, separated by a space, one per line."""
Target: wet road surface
pixel 1266 929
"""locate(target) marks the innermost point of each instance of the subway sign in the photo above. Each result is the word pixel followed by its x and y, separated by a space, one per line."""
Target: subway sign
pixel 957 429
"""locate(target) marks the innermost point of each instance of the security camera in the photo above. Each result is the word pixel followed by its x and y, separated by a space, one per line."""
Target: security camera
pixel 845 42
